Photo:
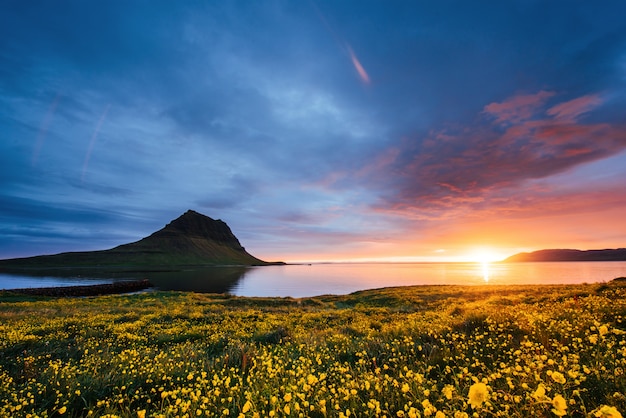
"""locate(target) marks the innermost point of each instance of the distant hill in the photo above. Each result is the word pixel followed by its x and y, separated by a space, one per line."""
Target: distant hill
pixel 570 255
pixel 191 239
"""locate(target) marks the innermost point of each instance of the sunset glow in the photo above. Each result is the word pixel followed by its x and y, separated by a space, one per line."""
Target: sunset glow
pixel 319 131
pixel 486 255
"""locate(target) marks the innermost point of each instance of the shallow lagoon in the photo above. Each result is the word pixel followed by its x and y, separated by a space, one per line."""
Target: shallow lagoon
pixel 317 279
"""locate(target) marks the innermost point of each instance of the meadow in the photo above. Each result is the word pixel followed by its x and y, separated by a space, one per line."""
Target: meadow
pixel 424 351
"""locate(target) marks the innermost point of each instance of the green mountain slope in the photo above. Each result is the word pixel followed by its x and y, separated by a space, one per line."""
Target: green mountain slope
pixel 191 239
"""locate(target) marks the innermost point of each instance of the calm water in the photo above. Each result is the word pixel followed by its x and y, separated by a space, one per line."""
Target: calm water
pixel 319 279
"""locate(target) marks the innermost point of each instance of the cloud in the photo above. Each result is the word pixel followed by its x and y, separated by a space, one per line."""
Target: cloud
pixel 255 112
pixel 33 226
pixel 518 108
pixel 365 78
pixel 570 110
pixel 451 169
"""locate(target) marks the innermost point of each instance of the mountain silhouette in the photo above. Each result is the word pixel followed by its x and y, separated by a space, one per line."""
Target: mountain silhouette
pixel 618 254
pixel 191 239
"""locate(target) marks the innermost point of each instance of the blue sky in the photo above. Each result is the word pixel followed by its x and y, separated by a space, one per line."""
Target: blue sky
pixel 318 130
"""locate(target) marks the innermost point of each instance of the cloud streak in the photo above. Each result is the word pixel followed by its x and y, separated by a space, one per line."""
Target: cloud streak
pixel 365 78
pixel 92 141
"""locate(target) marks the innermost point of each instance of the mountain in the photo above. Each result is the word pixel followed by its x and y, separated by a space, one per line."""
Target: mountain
pixel 618 254
pixel 191 239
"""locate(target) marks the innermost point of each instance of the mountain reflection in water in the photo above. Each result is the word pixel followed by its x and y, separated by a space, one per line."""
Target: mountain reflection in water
pixel 207 280
pixel 204 280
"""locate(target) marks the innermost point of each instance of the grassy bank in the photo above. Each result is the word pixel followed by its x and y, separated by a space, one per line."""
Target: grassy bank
pixel 420 351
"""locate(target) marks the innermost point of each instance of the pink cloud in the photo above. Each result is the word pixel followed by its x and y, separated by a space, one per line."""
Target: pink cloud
pixel 359 68
pixel 518 108
pixel 453 169
pixel 569 111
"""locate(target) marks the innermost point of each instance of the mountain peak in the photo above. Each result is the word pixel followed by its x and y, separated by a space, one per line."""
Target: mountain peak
pixel 190 213
pixel 191 217
pixel 196 225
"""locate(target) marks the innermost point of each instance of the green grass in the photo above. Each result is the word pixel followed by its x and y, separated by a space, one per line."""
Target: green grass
pixel 413 351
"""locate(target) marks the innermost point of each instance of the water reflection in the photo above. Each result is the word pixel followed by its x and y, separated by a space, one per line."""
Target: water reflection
pixel 207 280
pixel 485 270
pixel 319 279
pixel 204 280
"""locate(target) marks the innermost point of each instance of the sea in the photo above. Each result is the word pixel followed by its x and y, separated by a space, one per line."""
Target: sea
pixel 305 280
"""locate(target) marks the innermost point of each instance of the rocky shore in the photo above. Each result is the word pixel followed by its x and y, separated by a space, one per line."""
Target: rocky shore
pixel 88 290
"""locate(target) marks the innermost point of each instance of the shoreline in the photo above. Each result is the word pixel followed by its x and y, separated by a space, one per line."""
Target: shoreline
pixel 126 286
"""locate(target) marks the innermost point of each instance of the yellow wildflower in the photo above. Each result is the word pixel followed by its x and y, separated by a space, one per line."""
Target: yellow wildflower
pixel 62 410
pixel 478 394
pixel 559 405
pixel 246 407
pixel 603 330
pixel 429 409
pixel 606 411
pixel 287 397
pixel 558 377
pixel 540 393
pixel 287 410
pixel 141 414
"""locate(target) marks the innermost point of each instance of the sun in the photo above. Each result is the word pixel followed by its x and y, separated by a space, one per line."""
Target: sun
pixel 484 255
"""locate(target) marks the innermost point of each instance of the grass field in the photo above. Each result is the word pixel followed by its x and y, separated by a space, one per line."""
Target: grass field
pixel 441 351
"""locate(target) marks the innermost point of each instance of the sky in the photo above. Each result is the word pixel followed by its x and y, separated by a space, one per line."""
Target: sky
pixel 317 130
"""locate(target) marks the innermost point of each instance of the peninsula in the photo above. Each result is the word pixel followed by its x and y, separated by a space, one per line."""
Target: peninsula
pixel 618 254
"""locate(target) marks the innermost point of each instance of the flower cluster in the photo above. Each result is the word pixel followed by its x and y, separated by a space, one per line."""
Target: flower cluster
pixel 403 352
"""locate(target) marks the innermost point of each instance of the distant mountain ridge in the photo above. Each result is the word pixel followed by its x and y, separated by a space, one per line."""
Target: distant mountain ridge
pixel 191 239
pixel 618 254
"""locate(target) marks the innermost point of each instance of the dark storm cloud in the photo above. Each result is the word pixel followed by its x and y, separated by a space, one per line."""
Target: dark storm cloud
pixel 28 224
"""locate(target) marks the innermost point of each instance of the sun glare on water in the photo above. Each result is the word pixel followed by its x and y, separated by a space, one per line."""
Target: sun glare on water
pixel 485 268
pixel 484 257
